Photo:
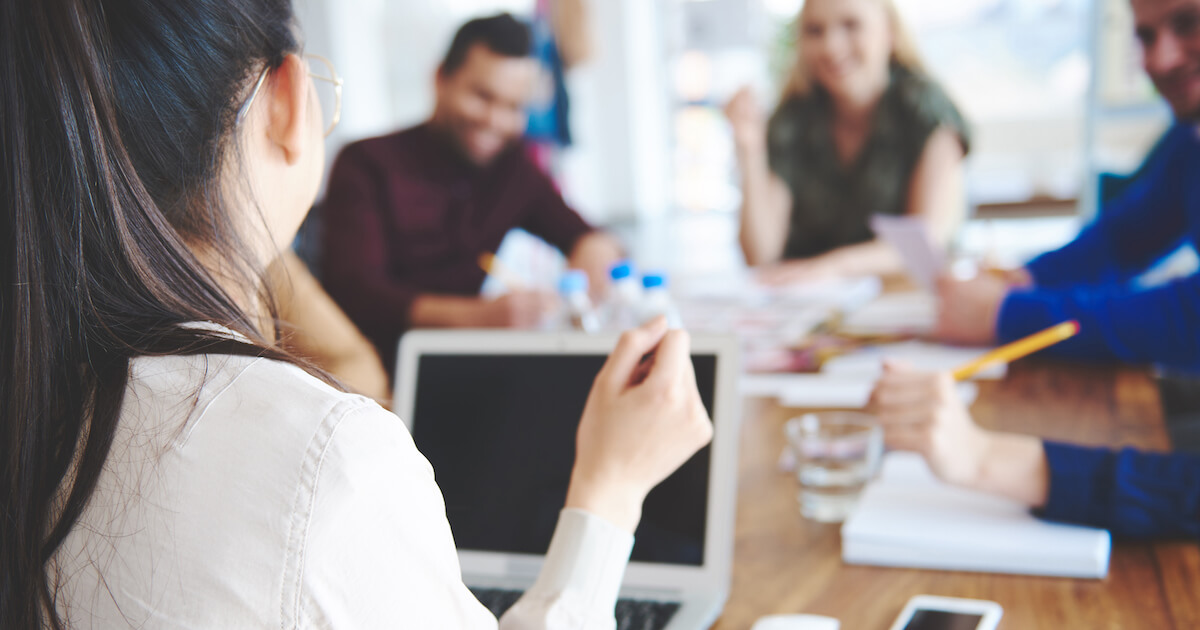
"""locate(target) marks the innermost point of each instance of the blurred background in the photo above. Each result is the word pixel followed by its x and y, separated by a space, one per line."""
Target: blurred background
pixel 1052 88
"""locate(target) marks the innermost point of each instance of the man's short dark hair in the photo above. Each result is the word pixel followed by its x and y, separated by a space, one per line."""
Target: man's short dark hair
pixel 502 34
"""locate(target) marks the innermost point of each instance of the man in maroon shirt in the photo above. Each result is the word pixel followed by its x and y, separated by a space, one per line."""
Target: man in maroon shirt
pixel 407 215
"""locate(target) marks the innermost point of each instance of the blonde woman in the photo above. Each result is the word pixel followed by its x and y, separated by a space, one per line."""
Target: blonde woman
pixel 860 129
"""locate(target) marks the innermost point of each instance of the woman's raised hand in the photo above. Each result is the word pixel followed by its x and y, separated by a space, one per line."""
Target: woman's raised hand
pixel 748 121
pixel 643 420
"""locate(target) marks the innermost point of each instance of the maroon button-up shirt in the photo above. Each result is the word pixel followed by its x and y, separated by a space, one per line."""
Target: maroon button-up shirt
pixel 406 214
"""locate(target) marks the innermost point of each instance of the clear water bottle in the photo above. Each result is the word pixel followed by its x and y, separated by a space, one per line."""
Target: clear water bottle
pixel 621 312
pixel 656 300
pixel 578 313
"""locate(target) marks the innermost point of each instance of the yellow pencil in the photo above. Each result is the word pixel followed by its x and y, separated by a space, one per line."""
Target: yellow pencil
pixel 493 267
pixel 1018 349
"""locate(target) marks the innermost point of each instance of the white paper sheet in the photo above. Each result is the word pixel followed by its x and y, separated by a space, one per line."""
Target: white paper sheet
pixel 923 259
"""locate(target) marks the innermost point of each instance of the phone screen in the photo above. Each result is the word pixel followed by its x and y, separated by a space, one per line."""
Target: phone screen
pixel 924 619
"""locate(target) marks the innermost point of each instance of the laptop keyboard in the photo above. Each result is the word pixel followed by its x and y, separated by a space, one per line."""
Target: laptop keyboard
pixel 632 614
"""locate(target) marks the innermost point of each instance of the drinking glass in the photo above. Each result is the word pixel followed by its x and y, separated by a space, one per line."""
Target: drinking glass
pixel 836 454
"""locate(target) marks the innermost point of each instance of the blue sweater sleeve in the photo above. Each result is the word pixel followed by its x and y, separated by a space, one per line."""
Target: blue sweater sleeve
pixel 1146 223
pixel 1130 493
pixel 1155 325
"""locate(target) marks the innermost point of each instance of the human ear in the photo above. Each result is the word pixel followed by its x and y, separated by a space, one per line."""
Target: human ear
pixel 289 108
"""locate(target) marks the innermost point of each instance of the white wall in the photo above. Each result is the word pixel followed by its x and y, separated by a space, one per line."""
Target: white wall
pixel 620 164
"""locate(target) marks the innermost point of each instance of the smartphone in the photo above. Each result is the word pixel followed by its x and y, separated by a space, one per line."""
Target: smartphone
pixel 927 612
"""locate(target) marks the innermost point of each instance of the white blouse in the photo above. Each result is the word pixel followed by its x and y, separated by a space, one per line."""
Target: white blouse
pixel 244 493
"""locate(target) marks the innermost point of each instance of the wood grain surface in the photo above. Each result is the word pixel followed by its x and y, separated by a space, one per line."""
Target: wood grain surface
pixel 786 564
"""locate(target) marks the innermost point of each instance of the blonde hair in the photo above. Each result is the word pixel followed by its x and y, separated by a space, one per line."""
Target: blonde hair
pixel 904 52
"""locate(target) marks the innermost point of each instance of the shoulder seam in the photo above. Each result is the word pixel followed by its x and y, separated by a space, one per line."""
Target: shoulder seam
pixel 310 471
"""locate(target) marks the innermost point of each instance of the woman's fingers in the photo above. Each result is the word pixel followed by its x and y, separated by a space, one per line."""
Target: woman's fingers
pixel 673 360
pixel 634 344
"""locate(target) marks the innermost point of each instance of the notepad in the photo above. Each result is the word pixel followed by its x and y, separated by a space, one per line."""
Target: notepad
pixel 909 518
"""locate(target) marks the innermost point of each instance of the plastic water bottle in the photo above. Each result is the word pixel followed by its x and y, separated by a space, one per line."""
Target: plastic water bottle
pixel 577 306
pixel 656 300
pixel 624 299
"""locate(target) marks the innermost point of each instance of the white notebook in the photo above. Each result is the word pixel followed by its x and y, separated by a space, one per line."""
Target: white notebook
pixel 909 518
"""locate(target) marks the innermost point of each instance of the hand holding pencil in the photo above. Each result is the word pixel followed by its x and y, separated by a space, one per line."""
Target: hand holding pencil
pixel 922 411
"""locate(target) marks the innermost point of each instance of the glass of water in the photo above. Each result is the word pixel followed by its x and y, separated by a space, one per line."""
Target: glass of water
pixel 836 454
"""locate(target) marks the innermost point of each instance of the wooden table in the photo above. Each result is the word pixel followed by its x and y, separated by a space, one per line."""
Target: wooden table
pixel 786 564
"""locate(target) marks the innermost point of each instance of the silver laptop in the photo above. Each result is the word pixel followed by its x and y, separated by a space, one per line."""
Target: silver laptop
pixel 496 413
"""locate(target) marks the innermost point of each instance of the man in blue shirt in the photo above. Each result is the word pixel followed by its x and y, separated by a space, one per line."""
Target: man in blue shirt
pixel 1089 279
pixel 1133 494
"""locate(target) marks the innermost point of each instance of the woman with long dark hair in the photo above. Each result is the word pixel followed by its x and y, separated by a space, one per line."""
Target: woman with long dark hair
pixel 164 462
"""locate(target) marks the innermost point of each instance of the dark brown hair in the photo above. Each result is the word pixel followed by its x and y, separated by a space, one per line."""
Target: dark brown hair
pixel 116 118
pixel 500 33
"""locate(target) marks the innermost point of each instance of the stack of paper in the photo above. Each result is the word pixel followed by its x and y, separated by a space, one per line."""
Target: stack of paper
pixel 845 295
pixel 742 288
pixel 931 357
pixel 908 518
pixel 894 314
pixel 823 391
pixel 769 321
pixel 846 382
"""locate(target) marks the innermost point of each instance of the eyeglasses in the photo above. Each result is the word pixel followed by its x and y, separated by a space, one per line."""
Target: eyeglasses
pixel 324 71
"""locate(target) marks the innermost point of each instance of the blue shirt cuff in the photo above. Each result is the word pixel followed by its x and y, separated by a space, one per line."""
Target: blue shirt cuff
pixel 1025 312
pixel 1079 489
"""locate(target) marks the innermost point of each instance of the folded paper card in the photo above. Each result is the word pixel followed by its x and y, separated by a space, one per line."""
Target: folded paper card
pixel 923 259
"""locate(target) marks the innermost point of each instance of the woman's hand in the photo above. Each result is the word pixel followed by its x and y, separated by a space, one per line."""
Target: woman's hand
pixel 748 122
pixel 643 420
pixel 798 272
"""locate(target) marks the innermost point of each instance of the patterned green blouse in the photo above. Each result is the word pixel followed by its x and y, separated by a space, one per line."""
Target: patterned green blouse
pixel 832 203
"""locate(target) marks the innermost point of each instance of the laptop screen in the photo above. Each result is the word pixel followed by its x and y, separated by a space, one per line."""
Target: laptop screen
pixel 500 433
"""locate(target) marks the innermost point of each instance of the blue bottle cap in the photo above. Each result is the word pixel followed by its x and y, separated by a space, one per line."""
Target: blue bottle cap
pixel 573 281
pixel 654 281
pixel 621 270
